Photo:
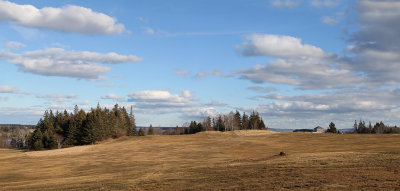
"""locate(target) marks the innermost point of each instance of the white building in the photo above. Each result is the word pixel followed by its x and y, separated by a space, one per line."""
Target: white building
pixel 318 129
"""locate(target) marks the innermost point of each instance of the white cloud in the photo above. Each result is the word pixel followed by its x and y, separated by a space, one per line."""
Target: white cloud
pixel 286 3
pixel 302 65
pixel 7 55
pixel 376 44
pixel 324 3
pixel 158 98
pixel 9 89
pixel 57 97
pixel 59 62
pixel 329 20
pixel 114 97
pixel 342 107
pixel 278 46
pixel 11 45
pixel 307 73
pixel 198 113
pixel 70 18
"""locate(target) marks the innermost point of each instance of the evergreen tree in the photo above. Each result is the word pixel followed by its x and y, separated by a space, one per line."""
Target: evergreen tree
pixel 253 121
pixel 361 127
pixel 199 127
pixel 370 128
pixel 131 130
pixel 238 120
pixel 35 139
pixel 150 131
pixel 261 124
pixel 220 126
pixel 245 121
pixel 332 128
pixel 193 127
pixel 141 132
pixel 355 126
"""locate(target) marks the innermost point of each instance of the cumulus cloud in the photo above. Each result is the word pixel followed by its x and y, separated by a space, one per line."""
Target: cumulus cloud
pixel 159 98
pixel 302 65
pixel 69 18
pixel 376 43
pixel 165 102
pixel 308 73
pixel 9 89
pixel 278 46
pixel 198 113
pixel 57 97
pixel 286 3
pixel 114 97
pixel 7 55
pixel 59 62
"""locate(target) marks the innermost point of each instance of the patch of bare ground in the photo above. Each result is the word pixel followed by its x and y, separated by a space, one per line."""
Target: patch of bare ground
pixel 239 160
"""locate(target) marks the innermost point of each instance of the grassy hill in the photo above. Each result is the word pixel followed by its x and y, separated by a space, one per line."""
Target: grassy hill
pixel 211 161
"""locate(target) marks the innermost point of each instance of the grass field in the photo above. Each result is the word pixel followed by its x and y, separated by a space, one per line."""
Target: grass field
pixel 240 160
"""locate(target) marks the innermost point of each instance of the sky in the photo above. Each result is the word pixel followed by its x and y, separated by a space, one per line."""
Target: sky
pixel 299 63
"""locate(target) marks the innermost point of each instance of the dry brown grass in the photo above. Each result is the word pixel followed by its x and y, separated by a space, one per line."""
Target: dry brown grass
pixel 240 160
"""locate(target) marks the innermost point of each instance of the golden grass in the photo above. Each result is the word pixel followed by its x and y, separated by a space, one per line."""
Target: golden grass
pixel 239 160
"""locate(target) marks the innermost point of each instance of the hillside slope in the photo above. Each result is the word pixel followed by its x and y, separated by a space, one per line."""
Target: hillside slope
pixel 211 160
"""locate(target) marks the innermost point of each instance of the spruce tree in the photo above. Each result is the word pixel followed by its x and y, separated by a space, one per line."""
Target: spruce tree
pixel 141 132
pixel 245 121
pixel 238 119
pixel 150 131
pixel 332 128
pixel 220 124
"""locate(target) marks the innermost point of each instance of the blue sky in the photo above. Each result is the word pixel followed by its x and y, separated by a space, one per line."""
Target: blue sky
pixel 299 63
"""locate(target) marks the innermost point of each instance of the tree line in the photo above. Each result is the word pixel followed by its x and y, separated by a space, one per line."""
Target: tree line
pixel 63 129
pixel 228 122
pixel 378 128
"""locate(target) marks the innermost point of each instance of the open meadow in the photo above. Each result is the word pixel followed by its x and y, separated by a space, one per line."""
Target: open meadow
pixel 239 160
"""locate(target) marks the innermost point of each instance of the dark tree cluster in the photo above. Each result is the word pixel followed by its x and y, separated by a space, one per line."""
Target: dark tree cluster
pixel 64 129
pixel 228 122
pixel 378 128
pixel 332 128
